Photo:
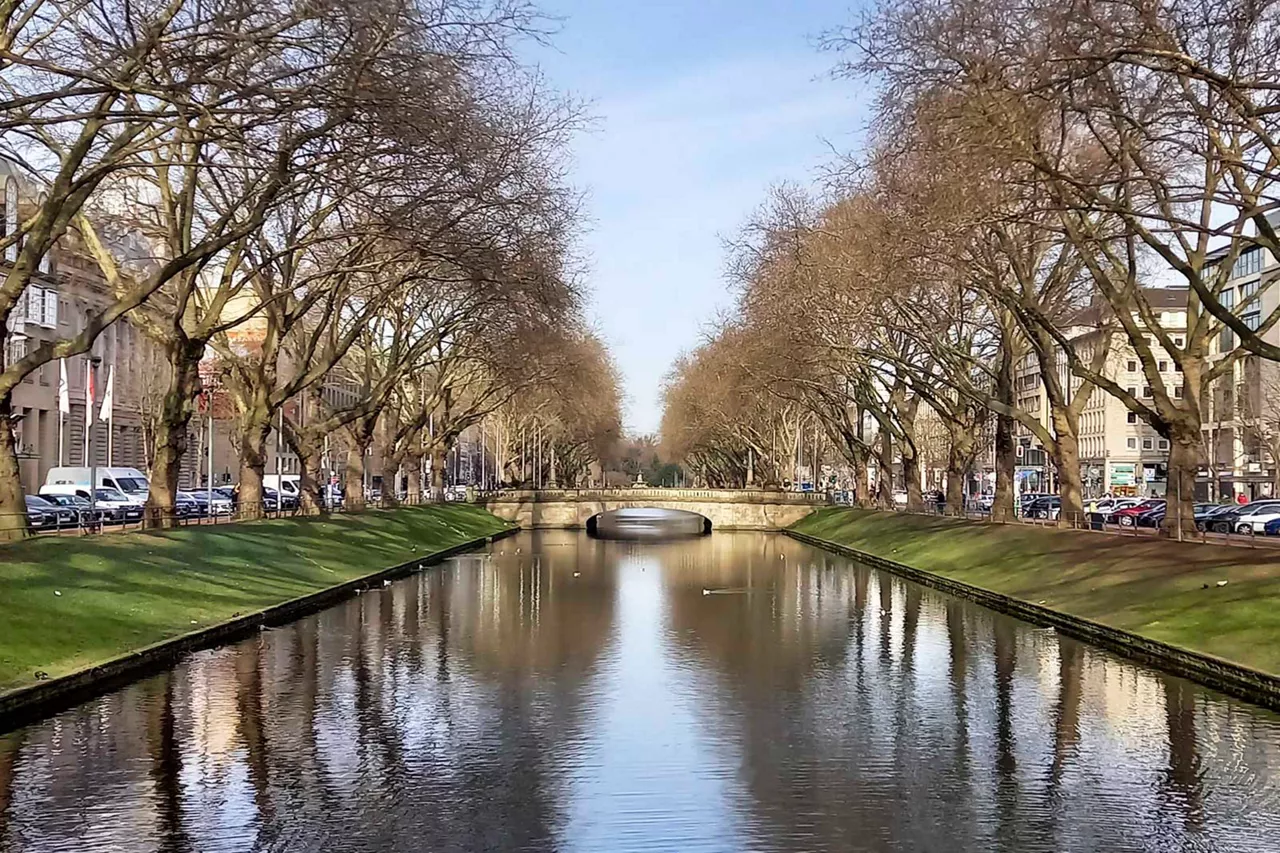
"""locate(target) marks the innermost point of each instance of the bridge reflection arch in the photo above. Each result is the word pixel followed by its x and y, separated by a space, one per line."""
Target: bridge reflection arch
pixel 647 523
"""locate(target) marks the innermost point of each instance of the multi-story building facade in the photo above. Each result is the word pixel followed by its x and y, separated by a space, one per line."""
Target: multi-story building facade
pixel 1242 414
pixel 66 291
pixel 1120 453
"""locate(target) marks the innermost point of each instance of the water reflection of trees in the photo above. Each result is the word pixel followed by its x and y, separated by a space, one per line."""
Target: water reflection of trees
pixel 426 716
pixel 873 714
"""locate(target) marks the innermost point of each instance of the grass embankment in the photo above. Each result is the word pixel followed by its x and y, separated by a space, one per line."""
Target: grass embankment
pixel 1151 587
pixel 67 604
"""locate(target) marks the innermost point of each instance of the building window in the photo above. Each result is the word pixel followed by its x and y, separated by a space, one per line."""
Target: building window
pixel 1132 417
pixel 1146 392
pixel 1227 342
pixel 1133 391
pixel 1164 444
pixel 1248 263
pixel 1132 444
pixel 1253 320
pixel 1177 341
pixel 1177 392
pixel 1163 367
pixel 1132 366
pixel 1146 444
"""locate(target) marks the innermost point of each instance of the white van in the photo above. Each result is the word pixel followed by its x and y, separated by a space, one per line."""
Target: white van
pixel 286 484
pixel 130 481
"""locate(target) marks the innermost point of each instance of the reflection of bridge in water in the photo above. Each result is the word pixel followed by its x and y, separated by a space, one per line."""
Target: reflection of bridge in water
pixel 724 509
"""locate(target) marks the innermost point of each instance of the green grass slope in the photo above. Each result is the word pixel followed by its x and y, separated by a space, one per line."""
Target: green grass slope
pixel 71 603
pixel 1163 590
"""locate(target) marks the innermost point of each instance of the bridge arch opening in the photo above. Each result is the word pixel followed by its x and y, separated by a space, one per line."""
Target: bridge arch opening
pixel 647 523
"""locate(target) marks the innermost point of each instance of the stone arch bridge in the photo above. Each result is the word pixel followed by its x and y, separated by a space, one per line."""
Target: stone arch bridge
pixel 725 509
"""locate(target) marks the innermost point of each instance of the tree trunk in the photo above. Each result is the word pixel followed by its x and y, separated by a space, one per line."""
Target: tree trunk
pixel 438 456
pixel 1066 457
pixel 1184 460
pixel 957 467
pixel 390 476
pixel 309 477
pixel 171 434
pixel 13 504
pixel 861 482
pixel 414 472
pixel 353 477
pixel 1006 453
pixel 911 473
pixel 255 426
pixel 884 478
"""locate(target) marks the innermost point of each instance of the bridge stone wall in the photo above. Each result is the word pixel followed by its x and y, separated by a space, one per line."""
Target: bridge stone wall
pixel 726 509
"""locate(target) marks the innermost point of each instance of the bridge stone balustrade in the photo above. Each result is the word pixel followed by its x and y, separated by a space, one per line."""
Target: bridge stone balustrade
pixel 726 509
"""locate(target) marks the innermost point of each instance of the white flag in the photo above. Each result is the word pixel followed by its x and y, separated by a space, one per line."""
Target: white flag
pixel 105 414
pixel 64 390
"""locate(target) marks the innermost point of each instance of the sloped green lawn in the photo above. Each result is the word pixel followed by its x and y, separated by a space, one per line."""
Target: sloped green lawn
pixel 1151 587
pixel 66 604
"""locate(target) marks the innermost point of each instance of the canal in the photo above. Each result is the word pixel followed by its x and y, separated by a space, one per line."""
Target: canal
pixel 737 692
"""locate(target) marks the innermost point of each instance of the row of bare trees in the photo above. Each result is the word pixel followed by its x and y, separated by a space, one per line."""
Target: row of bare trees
pixel 291 200
pixel 1048 192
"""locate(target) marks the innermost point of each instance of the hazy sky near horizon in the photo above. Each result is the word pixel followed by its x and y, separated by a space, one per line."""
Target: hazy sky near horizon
pixel 700 107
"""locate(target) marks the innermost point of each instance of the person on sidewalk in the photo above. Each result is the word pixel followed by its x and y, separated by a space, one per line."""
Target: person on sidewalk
pixel 1241 499
pixel 1095 520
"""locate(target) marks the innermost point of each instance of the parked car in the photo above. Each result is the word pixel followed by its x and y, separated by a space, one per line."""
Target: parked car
pixel 899 499
pixel 1047 507
pixel 270 500
pixel 1128 516
pixel 1151 515
pixel 85 517
pixel 1252 518
pixel 1110 515
pixel 116 507
pixel 221 503
pixel 41 514
pixel 1212 517
pixel 185 506
pixel 61 516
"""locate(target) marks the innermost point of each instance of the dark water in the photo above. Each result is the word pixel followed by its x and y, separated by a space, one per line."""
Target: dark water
pixel 580 695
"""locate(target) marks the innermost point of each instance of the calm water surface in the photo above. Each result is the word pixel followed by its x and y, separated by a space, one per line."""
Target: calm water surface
pixel 740 692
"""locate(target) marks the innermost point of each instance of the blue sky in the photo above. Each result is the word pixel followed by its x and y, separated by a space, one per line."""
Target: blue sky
pixel 700 106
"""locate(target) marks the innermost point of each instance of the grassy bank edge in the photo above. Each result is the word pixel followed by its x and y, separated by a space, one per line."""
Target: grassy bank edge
pixel 1239 678
pixel 25 701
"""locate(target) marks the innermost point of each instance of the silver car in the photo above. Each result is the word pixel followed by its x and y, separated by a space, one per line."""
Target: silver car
pixel 1253 518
